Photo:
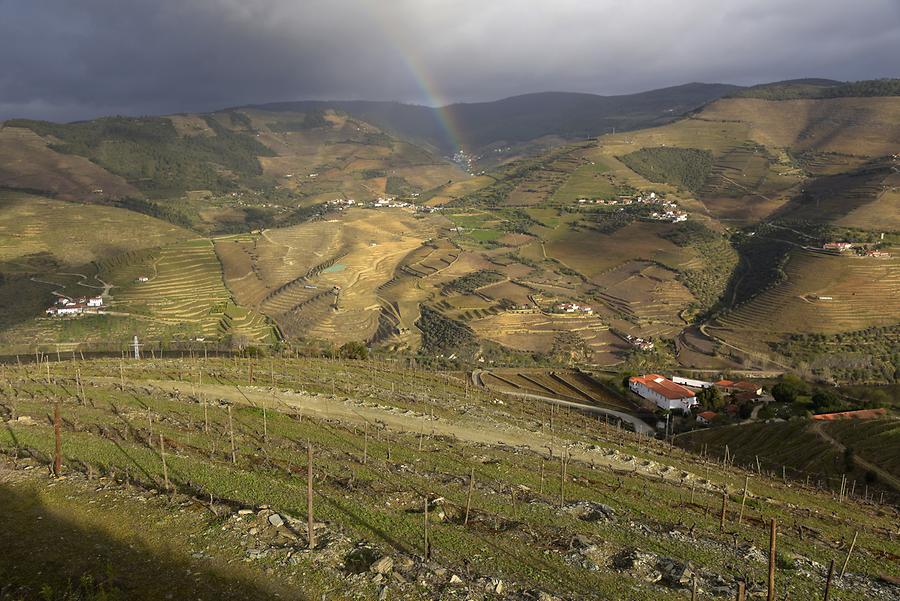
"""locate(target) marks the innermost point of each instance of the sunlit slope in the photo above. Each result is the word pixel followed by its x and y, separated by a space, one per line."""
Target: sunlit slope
pixel 38 233
pixel 765 151
pixel 823 293
pixel 324 279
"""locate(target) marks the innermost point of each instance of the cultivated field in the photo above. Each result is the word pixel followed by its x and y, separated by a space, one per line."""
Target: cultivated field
pixel 185 289
pixel 850 126
pixel 801 446
pixel 321 279
pixel 858 293
pixel 592 254
pixel 585 337
pixel 212 462
pixel 36 231
pixel 648 295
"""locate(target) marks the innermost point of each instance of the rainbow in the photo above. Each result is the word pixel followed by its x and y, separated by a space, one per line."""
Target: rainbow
pixel 419 74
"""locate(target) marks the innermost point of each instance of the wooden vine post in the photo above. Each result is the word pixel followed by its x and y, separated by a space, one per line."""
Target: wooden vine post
pixel 469 496
pixel 772 544
pixel 849 552
pixel 162 454
pixel 542 476
pixel 828 580
pixel 365 443
pixel 231 436
pixel 57 435
pixel 310 528
pixel 724 508
pixel 427 549
pixel 741 591
pixel 562 479
pixel 743 499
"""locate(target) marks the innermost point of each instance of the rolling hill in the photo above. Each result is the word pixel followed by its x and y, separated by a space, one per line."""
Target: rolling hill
pixel 222 172
pixel 703 234
pixel 522 118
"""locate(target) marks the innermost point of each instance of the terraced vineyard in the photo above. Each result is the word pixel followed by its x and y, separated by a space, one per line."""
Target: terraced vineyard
pixel 62 234
pixel 325 279
pixel 747 183
pixel 800 446
pixel 184 288
pixel 585 337
pixel 567 385
pixel 518 499
pixel 416 279
pixel 823 293
pixel 647 295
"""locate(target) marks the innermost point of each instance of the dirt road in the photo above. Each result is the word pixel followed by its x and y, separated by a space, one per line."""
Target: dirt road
pixel 473 430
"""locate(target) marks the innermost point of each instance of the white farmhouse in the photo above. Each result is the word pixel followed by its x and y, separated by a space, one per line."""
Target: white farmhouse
pixel 664 392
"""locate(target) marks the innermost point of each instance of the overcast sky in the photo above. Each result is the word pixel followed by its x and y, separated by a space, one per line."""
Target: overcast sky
pixel 71 59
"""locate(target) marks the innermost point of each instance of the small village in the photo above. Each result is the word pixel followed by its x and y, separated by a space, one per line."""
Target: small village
pixel 669 208
pixel 572 308
pixel 860 250
pixel 65 306
pixel 382 202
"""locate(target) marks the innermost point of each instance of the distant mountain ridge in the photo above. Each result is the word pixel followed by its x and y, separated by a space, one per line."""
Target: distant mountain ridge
pixel 522 118
pixel 797 89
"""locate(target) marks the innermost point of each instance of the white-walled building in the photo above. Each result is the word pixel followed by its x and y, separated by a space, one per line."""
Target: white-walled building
pixel 691 382
pixel 664 392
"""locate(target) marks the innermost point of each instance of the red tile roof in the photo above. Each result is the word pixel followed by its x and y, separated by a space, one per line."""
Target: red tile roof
pixel 708 415
pixel 745 385
pixel 664 386
pixel 859 414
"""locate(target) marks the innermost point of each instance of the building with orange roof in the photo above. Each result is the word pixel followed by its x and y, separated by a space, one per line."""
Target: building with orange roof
pixel 665 393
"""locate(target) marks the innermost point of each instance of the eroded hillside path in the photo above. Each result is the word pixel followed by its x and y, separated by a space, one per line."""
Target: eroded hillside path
pixel 475 429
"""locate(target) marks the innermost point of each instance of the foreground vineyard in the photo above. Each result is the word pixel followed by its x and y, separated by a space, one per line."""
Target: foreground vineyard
pixel 201 442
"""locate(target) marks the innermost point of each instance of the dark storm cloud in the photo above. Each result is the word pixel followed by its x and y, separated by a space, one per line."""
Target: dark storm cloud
pixel 66 59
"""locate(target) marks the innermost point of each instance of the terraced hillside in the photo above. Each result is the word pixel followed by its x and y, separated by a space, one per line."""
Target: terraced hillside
pixel 184 289
pixel 39 233
pixel 323 279
pixel 647 295
pixel 584 338
pixel 48 247
pixel 226 172
pixel 860 127
pixel 823 293
pixel 574 386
